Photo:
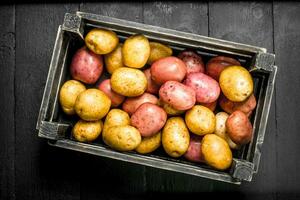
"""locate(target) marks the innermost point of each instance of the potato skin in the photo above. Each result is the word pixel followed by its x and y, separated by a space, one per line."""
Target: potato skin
pixel 68 94
pixel 236 83
pixel 128 82
pixel 86 66
pixel 193 61
pixel 158 51
pixel 85 131
pixel 246 106
pixel 116 99
pixel 114 59
pixel 122 138
pixel 239 128
pixel 215 66
pixel 149 144
pixel 152 87
pixel 175 137
pixel 170 110
pixel 194 153
pixel 216 152
pixel 200 120
pixel 168 69
pixel 212 106
pixel 92 105
pixel 132 103
pixel 207 89
pixel 178 95
pixel 148 119
pixel 136 51
pixel 101 41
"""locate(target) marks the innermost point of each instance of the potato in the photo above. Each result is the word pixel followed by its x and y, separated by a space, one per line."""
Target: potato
pixel 168 69
pixel 239 128
pixel 246 106
pixel 92 105
pixel 236 83
pixel 178 95
pixel 136 51
pixel 68 94
pixel 194 153
pixel 200 120
pixel 207 89
pixel 115 117
pixel 148 119
pixel 149 144
pixel 175 137
pixel 101 41
pixel 215 66
pixel 122 138
pixel 193 61
pixel 114 59
pixel 85 131
pixel 132 103
pixel 116 99
pixel 216 152
pixel 128 82
pixel 170 110
pixel 86 66
pixel 212 106
pixel 158 51
pixel 152 87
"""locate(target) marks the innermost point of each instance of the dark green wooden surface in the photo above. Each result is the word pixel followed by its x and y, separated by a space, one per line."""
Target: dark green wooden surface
pixel 30 169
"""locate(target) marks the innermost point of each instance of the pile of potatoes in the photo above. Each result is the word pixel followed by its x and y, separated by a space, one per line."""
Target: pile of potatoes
pixel 196 111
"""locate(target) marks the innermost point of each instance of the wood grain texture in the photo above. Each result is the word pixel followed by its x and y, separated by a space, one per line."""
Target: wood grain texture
pixel 287 45
pixel 113 178
pixel 42 172
pixel 250 23
pixel 7 105
pixel 188 17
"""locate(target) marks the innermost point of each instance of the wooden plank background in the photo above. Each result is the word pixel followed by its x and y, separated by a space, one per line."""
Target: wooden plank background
pixel 31 169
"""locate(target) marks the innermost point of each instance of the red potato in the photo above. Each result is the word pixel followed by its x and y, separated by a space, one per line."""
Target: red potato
pixel 116 99
pixel 86 66
pixel 193 61
pixel 212 106
pixel 246 106
pixel 152 87
pixel 149 119
pixel 239 128
pixel 168 69
pixel 215 66
pixel 132 103
pixel 207 89
pixel 178 95
pixel 194 153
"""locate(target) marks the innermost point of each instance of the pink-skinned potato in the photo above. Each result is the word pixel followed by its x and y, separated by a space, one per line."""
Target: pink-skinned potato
pixel 168 69
pixel 177 95
pixel 193 61
pixel 152 87
pixel 132 103
pixel 194 153
pixel 86 66
pixel 116 99
pixel 149 119
pixel 212 106
pixel 207 89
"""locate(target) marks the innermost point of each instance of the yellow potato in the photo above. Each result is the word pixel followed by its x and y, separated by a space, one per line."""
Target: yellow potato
pixel 114 59
pixel 175 137
pixel 200 120
pixel 101 41
pixel 136 51
pixel 68 94
pixel 170 110
pixel 128 82
pixel 216 152
pixel 92 105
pixel 158 51
pixel 220 130
pixel 115 117
pixel 236 83
pixel 123 138
pixel 149 144
pixel 85 131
